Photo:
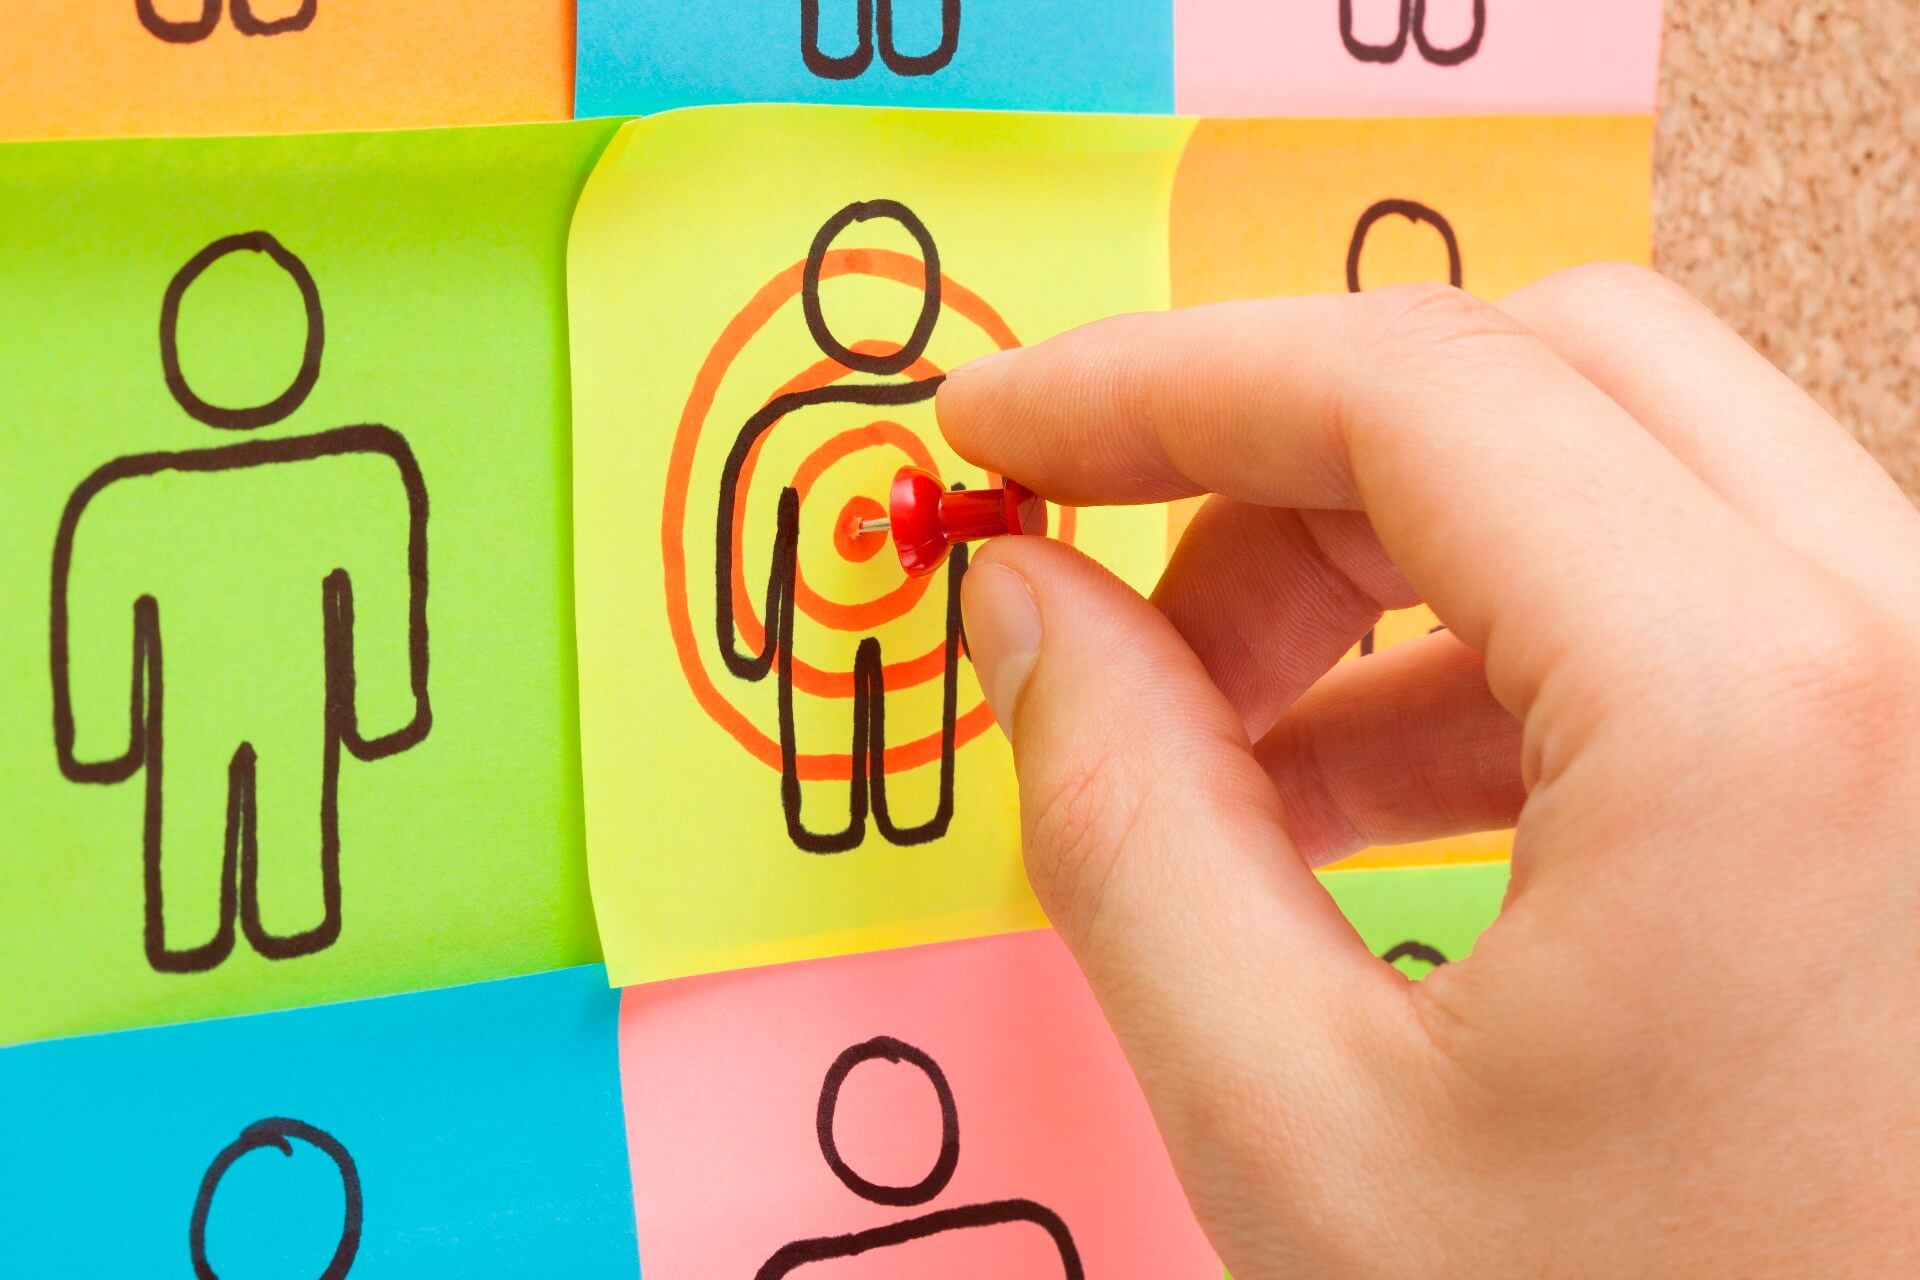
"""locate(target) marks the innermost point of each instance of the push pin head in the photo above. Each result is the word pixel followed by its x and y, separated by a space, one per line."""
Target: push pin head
pixel 927 518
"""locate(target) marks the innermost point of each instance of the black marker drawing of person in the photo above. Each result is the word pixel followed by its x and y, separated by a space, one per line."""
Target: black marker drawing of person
pixel 1415 212
pixel 285 746
pixel 815 1257
pixel 867 788
pixel 874 21
pixel 1415 959
pixel 276 1133
pixel 245 20
pixel 1413 25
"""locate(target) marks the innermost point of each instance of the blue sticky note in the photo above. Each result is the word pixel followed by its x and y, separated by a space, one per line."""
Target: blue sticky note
pixel 474 1131
pixel 642 56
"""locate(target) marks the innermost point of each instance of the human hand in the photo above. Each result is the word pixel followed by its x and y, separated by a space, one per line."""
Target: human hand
pixel 1682 653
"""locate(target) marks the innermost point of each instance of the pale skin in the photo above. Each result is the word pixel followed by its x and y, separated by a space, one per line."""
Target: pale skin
pixel 1682 656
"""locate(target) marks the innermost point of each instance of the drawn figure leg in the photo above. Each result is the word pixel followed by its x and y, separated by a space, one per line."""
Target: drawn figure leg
pixel 829 66
pixel 921 64
pixel 1366 49
pixel 198 820
pixel 201 817
pixel 179 31
pixel 249 23
pixel 785 573
pixel 288 781
pixel 1454 54
pixel 870 686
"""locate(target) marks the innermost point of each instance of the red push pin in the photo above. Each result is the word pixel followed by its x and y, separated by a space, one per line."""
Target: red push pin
pixel 927 518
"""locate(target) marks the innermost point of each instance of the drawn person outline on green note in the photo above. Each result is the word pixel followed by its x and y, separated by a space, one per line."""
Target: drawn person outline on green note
pixel 196 482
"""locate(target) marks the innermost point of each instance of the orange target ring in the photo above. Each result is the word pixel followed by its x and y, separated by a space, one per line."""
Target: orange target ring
pixel 867 614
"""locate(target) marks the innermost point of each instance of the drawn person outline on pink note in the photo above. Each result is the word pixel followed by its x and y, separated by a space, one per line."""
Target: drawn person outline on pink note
pixel 338 711
pixel 790 1259
pixel 1413 25
pixel 245 21
pixel 872 21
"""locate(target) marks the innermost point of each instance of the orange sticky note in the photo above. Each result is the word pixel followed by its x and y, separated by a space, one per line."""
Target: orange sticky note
pixel 1322 206
pixel 118 68
pixel 1271 207
pixel 943 1112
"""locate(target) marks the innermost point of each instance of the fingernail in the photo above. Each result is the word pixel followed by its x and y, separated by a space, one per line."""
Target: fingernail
pixel 982 364
pixel 1003 635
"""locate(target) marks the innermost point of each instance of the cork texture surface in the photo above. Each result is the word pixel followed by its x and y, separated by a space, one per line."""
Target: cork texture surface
pixel 1787 195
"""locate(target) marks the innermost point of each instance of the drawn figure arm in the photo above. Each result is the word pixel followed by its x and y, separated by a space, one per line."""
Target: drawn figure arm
pixel 750 666
pixel 144 686
pixel 374 587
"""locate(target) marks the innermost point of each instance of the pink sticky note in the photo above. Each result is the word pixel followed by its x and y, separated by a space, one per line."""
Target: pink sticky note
pixel 939 1112
pixel 1415 57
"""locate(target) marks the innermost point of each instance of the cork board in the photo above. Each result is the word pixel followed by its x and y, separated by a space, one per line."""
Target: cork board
pixel 1787 195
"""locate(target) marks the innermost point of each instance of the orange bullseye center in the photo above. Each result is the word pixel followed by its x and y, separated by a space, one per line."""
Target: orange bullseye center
pixel 854 546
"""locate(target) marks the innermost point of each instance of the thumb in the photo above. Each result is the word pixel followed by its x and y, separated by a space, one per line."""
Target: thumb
pixel 1157 846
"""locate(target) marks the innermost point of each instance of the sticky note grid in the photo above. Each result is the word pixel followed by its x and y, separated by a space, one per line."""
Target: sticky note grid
pixel 472 808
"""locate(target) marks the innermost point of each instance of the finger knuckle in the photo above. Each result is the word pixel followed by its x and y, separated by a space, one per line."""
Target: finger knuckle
pixel 1839 678
pixel 1626 283
pixel 1422 320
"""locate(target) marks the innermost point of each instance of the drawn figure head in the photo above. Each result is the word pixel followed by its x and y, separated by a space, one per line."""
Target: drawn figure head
pixel 1415 959
pixel 1415 212
pixel 915 344
pixel 282 405
pixel 887 1049
pixel 276 1133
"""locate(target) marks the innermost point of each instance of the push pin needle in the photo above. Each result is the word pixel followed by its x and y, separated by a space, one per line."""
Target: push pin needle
pixel 926 518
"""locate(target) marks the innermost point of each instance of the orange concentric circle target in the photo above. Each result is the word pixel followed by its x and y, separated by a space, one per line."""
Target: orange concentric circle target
pixel 782 289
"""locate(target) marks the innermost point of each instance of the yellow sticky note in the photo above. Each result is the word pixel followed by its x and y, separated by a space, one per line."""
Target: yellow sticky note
pixel 786 752
pixel 1269 207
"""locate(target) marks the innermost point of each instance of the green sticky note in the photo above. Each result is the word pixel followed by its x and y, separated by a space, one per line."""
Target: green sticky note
pixel 287 649
pixel 1420 917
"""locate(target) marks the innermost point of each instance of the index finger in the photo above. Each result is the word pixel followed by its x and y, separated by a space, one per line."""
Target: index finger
pixel 1511 492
